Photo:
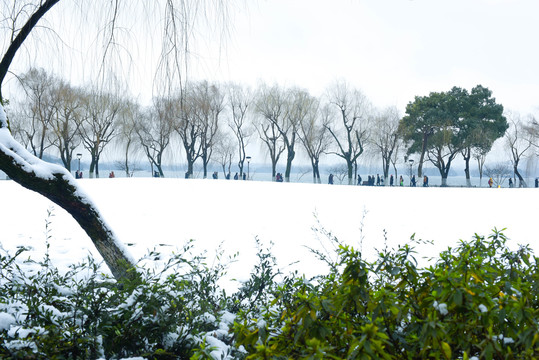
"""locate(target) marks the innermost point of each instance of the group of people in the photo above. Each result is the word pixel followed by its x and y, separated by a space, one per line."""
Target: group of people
pixel 236 176
pixel 511 183
pixel 379 181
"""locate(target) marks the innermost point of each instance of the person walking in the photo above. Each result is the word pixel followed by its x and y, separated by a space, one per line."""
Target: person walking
pixel 330 179
pixel 425 181
pixel 391 180
pixel 401 181
pixel 358 179
pixel 490 182
pixel 413 180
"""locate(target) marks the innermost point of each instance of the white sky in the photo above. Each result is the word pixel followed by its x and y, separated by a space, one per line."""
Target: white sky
pixel 390 49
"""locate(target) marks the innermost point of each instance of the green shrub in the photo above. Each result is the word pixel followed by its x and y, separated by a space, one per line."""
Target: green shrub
pixel 479 299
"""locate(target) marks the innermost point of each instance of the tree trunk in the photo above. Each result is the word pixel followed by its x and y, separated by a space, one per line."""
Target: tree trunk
pixel 160 169
pixel 444 180
pixel 59 186
pixel 97 167
pixel 91 169
pixel 350 173
pixel 467 172
pixel 240 166
pixel 204 168
pixel 316 172
pixel 290 157
pixel 422 156
pixel 273 169
pixel 467 155
pixel 386 173
pixel 521 182
pixel 189 168
pixel 127 161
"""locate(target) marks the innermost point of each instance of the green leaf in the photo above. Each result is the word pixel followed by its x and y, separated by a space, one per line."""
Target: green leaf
pixel 446 350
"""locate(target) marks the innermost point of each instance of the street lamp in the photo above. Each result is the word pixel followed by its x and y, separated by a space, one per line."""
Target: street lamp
pixel 411 161
pixel 248 161
pixel 79 156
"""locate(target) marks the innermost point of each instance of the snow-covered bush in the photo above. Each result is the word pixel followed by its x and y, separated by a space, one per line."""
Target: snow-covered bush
pixel 85 315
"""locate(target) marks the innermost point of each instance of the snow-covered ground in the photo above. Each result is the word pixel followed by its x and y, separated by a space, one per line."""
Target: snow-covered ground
pixel 148 213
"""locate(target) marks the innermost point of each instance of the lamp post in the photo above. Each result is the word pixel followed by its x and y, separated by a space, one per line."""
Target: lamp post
pixel 411 161
pixel 248 161
pixel 79 156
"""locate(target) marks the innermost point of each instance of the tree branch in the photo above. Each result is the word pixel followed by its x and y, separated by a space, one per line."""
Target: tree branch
pixel 19 40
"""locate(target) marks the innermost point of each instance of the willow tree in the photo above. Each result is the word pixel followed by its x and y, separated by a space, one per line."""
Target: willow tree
pixel 350 130
pixel 385 136
pixel 519 142
pixel 240 100
pixel 314 135
pixel 19 22
pixel 271 107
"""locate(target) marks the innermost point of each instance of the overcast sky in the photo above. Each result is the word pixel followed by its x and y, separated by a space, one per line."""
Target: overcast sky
pixel 391 49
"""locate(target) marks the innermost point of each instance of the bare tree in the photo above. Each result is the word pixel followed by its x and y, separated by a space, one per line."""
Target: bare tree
pixel 340 172
pixel 533 128
pixel 299 105
pixel 40 110
pixel 98 125
pixel 65 125
pixel 499 173
pixel 350 132
pixel 396 156
pixel 240 100
pixel 225 149
pixel 127 136
pixel 314 135
pixel 209 106
pixel 480 155
pixel 19 124
pixel 271 108
pixel 518 141
pixel 385 136
pixel 188 127
pixel 53 182
pixel 154 129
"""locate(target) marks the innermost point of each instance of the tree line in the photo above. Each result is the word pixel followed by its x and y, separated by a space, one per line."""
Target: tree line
pixel 214 123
